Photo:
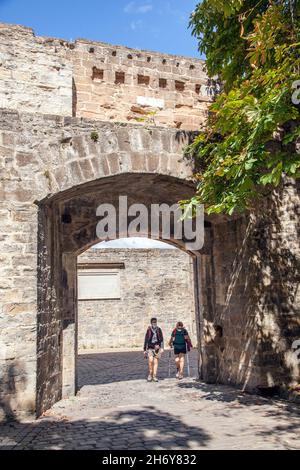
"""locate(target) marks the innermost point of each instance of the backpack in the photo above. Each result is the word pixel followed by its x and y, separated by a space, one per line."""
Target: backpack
pixel 184 333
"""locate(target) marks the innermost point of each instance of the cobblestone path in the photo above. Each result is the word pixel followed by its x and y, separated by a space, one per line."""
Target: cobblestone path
pixel 116 408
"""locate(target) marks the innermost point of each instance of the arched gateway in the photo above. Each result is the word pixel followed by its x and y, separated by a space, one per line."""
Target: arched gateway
pixel 118 124
pixel 67 227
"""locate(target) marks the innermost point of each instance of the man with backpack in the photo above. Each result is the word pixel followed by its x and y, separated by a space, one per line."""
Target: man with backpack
pixel 182 344
pixel 153 348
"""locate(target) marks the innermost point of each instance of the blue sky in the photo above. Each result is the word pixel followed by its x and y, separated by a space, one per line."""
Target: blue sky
pixel 158 25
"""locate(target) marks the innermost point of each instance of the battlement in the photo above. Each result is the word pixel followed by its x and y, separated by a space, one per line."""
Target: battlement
pixel 100 81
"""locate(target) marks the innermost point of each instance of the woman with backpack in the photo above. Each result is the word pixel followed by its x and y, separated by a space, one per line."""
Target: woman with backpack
pixel 153 348
pixel 182 344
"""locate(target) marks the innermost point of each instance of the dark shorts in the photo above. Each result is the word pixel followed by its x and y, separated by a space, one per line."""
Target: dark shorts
pixel 179 350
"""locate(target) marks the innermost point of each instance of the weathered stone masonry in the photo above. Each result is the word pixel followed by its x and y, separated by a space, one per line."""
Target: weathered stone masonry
pixel 100 81
pixel 122 322
pixel 56 168
pixel 65 162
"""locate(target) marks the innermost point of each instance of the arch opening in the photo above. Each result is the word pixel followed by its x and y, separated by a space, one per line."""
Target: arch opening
pixel 67 228
pixel 122 284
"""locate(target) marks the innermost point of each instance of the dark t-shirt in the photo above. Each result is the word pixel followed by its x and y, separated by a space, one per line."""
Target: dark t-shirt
pixel 179 340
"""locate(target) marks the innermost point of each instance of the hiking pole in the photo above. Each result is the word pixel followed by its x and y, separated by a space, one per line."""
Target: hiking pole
pixel 169 363
pixel 187 359
pixel 188 363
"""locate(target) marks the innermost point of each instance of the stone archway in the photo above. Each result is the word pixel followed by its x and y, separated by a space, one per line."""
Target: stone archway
pixel 67 228
pixel 247 281
pixel 52 167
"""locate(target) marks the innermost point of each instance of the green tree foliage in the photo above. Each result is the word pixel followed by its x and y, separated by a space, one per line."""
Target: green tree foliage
pixel 254 48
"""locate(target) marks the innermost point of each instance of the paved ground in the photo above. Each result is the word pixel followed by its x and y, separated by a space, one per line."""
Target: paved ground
pixel 117 409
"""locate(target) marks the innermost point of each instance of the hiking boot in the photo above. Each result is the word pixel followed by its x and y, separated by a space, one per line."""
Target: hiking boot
pixel 149 379
pixel 155 379
pixel 177 375
pixel 180 376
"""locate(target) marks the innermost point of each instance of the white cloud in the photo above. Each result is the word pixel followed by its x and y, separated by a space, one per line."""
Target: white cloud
pixel 145 8
pixel 129 7
pixel 134 25
pixel 134 8
pixel 167 9
pixel 135 242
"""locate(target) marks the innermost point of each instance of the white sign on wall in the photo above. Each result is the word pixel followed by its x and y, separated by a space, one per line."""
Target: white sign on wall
pixel 148 101
pixel 98 284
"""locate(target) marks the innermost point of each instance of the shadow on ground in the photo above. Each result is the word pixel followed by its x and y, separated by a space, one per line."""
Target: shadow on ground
pixel 105 368
pixel 212 415
pixel 147 428
pixel 229 394
pixel 289 413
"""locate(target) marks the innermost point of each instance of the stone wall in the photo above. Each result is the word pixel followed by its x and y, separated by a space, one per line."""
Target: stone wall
pixel 126 85
pixel 100 81
pixel 44 156
pixel 253 275
pixel 122 323
pixel 35 74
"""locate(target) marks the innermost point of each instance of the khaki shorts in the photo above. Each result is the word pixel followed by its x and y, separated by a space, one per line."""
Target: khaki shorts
pixel 153 353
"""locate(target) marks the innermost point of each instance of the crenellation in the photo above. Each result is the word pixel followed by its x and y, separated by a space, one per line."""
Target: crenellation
pixel 98 80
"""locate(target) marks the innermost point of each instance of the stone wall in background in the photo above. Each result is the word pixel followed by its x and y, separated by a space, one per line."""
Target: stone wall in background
pixel 122 323
pixel 35 73
pixel 121 84
pixel 100 81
